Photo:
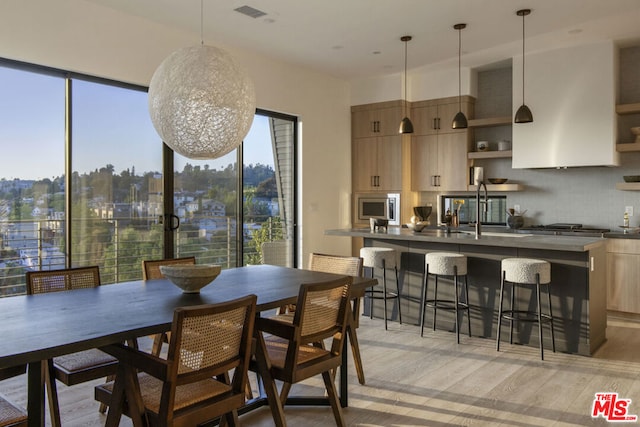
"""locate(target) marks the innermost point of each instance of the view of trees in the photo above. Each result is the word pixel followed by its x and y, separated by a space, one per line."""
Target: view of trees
pixel 119 244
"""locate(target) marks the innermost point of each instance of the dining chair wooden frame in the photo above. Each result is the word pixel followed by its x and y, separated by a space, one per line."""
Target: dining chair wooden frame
pixel 150 271
pixel 75 368
pixel 12 415
pixel 193 385
pixel 293 349
pixel 350 266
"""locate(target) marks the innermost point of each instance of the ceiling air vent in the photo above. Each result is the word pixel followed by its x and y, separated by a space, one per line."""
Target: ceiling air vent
pixel 250 11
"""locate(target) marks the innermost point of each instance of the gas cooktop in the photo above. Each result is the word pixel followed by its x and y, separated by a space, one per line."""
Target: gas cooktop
pixel 563 228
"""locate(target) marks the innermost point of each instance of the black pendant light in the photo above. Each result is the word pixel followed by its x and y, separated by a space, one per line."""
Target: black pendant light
pixel 523 115
pixel 459 121
pixel 405 125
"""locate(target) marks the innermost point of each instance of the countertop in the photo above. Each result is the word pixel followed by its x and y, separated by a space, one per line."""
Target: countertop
pixel 489 237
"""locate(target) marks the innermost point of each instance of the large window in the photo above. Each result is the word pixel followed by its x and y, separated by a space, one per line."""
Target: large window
pixel 112 211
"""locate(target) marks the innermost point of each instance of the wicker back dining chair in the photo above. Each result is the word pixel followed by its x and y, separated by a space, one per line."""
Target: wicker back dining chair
pixel 292 347
pixel 350 266
pixel 12 415
pixel 151 270
pixel 151 267
pixel 338 264
pixel 193 385
pixel 78 367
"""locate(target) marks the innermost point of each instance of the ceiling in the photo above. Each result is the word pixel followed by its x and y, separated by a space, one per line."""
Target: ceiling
pixel 354 39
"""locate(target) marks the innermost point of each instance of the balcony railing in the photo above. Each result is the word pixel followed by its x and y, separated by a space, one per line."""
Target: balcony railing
pixel 118 246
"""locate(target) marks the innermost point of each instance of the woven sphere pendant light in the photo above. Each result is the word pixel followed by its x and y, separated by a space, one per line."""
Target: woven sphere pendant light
pixel 201 102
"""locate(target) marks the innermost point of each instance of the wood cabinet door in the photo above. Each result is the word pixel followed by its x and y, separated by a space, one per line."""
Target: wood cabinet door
pixel 446 113
pixel 389 160
pixel 363 124
pixel 623 292
pixel 453 166
pixel 424 163
pixel 389 121
pixel 364 163
pixel 425 120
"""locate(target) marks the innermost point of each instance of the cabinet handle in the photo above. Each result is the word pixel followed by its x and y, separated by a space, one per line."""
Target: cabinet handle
pixel 434 125
pixel 377 180
pixel 438 176
pixel 438 122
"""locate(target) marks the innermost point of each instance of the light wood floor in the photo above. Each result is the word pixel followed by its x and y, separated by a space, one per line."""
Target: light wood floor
pixel 431 381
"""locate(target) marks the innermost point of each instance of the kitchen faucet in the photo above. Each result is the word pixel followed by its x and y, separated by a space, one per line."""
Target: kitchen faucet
pixel 478 203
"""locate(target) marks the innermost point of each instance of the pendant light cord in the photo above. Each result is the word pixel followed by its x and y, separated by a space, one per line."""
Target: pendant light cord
pixel 201 22
pixel 459 74
pixel 523 15
pixel 405 77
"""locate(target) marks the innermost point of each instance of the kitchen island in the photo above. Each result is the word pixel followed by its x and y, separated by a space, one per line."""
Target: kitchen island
pixel 578 281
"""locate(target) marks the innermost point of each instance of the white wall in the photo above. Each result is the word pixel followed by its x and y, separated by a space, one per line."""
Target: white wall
pixel 83 37
pixel 422 84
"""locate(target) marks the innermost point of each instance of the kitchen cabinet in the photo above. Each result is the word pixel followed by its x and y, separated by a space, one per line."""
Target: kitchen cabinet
pixel 435 116
pixel 438 152
pixel 376 163
pixel 439 162
pixel 623 275
pixel 556 97
pixel 376 147
pixel 379 119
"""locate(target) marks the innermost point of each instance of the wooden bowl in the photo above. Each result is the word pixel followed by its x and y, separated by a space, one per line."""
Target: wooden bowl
pixel 498 180
pixel 190 277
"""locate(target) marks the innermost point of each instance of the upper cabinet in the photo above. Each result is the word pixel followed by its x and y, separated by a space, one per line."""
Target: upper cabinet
pixel 573 110
pixel 377 163
pixel 379 119
pixel 436 115
pixel 439 162
pixel 376 148
pixel 438 152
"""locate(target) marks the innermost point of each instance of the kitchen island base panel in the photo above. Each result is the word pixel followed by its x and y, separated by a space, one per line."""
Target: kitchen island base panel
pixel 578 293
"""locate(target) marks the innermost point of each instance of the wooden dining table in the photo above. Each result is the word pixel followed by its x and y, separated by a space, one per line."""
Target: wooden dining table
pixel 40 327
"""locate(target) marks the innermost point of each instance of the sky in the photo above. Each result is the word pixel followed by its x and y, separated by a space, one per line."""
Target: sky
pixel 110 126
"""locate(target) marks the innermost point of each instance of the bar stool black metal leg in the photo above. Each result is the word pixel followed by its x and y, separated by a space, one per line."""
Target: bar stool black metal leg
pixel 513 309
pixel 539 316
pixel 553 338
pixel 423 300
pixel 500 305
pixel 384 292
pixel 466 296
pixel 435 299
pixel 455 304
pixel 398 296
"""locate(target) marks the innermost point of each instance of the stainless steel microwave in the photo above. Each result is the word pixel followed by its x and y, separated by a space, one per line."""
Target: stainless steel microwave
pixel 377 205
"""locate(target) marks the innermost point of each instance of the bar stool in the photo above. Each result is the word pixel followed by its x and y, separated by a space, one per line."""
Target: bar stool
pixel 525 272
pixel 378 257
pixel 445 264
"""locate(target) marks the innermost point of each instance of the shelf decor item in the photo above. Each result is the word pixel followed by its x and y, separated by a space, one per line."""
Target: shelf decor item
pixel 460 120
pixel 523 115
pixel 201 101
pixel 405 125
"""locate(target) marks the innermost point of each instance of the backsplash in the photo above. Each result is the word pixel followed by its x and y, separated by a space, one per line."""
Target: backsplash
pixel 577 195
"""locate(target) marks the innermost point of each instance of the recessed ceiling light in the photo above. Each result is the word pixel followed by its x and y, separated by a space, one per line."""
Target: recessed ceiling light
pixel 250 11
pixel 337 47
pixel 575 31
pixel 376 52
